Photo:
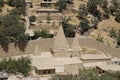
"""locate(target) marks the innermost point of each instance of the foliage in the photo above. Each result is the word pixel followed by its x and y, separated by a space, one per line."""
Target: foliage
pixel 48 18
pixel 22 65
pixel 112 33
pixel 84 25
pixel 12 30
pixel 61 4
pixel 89 74
pixel 19 4
pixel 100 38
pixel 14 11
pixel 83 12
pixel 1 3
pixel 117 17
pixel 43 34
pixel 92 8
pixel 68 28
pixel 118 38
pixel 60 77
pixel 115 7
pixel 32 18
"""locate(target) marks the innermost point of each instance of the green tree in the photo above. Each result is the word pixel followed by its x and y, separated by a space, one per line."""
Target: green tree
pixel 48 18
pixel 11 2
pixel 12 30
pixel 21 65
pixel 89 74
pixel 1 3
pixel 92 8
pixel 19 4
pixel 14 11
pixel 117 17
pixel 32 18
pixel 100 38
pixel 84 25
pixel 43 34
pixel 115 7
pixel 83 12
pixel 61 4
pixel 112 33
pixel 118 38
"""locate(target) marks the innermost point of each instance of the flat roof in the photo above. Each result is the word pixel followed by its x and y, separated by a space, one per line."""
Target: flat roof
pixel 46 10
pixel 51 63
pixel 28 0
pixel 109 67
pixel 94 56
pixel 50 2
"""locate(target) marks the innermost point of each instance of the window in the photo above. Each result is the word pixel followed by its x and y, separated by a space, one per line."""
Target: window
pixel 48 71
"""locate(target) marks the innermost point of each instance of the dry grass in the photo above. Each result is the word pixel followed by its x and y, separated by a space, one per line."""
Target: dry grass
pixel 103 30
pixel 6 9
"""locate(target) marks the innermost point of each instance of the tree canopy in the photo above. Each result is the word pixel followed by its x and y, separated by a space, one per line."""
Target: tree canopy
pixel 89 74
pixel 21 65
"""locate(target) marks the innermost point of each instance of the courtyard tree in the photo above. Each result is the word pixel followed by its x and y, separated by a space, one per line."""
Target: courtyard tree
pixel 84 25
pixel 42 33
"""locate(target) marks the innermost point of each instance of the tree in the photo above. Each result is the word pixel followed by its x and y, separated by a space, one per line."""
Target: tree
pixel 1 3
pixel 42 33
pixel 69 29
pixel 112 33
pixel 100 38
pixel 19 4
pixel 117 17
pixel 89 74
pixel 92 8
pixel 21 65
pixel 14 11
pixel 118 38
pixel 61 4
pixel 32 18
pixel 115 7
pixel 11 2
pixel 83 12
pixel 48 18
pixel 84 25
pixel 12 30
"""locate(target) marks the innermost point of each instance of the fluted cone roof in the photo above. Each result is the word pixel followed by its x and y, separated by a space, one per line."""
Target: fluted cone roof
pixel 60 42
pixel 75 45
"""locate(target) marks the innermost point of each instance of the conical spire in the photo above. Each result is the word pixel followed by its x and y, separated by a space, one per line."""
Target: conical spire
pixel 75 45
pixel 36 50
pixel 60 42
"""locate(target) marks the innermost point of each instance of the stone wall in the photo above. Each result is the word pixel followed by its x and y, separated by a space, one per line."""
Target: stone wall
pixel 45 44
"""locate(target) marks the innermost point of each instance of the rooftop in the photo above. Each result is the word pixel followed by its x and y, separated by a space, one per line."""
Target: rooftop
pixel 109 67
pixel 51 63
pixel 94 56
